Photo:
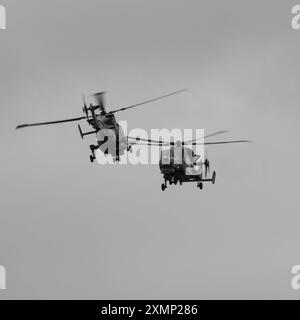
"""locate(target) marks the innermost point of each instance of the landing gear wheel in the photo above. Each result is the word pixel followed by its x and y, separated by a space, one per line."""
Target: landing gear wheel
pixel 213 179
pixel 92 158
pixel 200 185
pixel 163 187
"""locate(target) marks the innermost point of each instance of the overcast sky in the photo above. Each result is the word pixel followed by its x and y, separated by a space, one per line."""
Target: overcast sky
pixel 69 229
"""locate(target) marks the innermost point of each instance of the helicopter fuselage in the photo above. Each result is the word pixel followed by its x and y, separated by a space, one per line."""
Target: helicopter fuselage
pixel 110 136
pixel 179 164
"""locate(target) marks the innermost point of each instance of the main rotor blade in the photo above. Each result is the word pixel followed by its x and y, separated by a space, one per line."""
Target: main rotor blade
pixel 148 101
pixel 172 143
pixel 48 123
pixel 217 142
pixel 190 144
pixel 207 136
pixel 137 139
pixel 149 144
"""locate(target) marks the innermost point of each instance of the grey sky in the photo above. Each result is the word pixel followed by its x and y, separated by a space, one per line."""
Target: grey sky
pixel 69 229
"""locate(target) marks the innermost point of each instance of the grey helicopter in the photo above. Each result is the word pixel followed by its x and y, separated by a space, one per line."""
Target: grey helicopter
pixel 178 163
pixel 110 137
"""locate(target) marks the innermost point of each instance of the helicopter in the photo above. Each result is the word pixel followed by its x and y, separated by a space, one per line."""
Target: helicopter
pixel 179 163
pixel 104 125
